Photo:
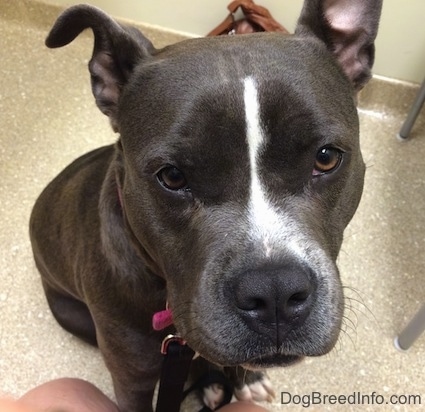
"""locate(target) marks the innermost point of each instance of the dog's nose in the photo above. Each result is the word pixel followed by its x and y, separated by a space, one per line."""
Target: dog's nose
pixel 279 299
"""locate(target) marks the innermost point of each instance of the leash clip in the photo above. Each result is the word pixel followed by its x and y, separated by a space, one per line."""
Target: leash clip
pixel 169 339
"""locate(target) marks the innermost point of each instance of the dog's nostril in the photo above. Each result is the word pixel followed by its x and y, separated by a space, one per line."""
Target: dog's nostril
pixel 260 304
pixel 253 304
pixel 298 298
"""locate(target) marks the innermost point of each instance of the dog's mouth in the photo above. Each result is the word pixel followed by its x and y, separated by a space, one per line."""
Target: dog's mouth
pixel 272 360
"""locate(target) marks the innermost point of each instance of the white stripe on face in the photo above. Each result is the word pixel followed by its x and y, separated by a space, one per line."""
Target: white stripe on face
pixel 263 217
pixel 269 226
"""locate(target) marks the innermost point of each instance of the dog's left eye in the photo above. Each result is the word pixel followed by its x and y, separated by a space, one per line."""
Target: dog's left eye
pixel 172 178
pixel 327 160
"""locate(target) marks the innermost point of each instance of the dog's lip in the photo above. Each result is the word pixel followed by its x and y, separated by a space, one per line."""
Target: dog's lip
pixel 272 360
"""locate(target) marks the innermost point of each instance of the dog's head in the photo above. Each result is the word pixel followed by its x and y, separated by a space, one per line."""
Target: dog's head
pixel 241 168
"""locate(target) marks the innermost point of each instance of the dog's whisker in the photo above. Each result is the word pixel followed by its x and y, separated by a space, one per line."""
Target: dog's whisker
pixel 350 309
pixel 347 328
pixel 344 332
pixel 350 323
pixel 363 308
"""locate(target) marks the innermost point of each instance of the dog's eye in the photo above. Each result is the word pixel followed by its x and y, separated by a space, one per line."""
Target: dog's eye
pixel 172 178
pixel 327 160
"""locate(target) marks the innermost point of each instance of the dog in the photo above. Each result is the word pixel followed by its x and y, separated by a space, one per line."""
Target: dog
pixel 225 197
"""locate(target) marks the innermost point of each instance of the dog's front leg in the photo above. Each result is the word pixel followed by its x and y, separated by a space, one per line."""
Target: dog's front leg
pixel 252 386
pixel 248 385
pixel 134 362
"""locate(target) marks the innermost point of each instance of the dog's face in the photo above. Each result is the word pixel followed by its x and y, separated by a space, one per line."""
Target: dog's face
pixel 240 170
pixel 239 182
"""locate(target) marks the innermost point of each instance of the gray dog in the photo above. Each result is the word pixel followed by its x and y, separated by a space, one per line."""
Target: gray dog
pixel 236 171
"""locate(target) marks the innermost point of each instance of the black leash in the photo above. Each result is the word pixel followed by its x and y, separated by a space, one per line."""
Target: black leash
pixel 175 370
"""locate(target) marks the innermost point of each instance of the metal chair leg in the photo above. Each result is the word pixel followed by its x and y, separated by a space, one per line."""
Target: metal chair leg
pixel 412 331
pixel 413 113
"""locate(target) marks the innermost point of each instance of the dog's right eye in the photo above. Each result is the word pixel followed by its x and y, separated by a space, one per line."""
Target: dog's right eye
pixel 172 178
pixel 327 160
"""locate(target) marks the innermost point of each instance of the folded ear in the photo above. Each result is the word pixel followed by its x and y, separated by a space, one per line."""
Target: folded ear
pixel 348 28
pixel 117 50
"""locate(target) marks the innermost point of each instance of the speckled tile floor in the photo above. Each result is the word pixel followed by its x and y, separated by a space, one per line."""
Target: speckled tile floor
pixel 48 118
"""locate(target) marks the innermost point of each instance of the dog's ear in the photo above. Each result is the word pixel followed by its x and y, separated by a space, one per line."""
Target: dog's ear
pixel 117 50
pixel 348 28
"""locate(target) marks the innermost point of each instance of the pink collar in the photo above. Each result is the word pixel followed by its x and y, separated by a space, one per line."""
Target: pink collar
pixel 162 319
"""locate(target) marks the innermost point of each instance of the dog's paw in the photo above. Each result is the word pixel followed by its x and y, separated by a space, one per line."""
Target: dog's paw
pixel 213 395
pixel 257 391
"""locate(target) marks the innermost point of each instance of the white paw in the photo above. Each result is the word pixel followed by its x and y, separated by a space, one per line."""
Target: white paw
pixel 213 395
pixel 259 391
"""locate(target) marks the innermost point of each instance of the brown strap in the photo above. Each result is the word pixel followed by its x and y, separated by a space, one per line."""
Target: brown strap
pixel 257 15
pixel 225 27
pixel 261 16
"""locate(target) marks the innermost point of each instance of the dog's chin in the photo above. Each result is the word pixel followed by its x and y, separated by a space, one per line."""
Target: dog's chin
pixel 262 361
pixel 272 360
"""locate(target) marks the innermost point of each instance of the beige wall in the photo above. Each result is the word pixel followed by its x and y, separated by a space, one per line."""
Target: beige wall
pixel 400 45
